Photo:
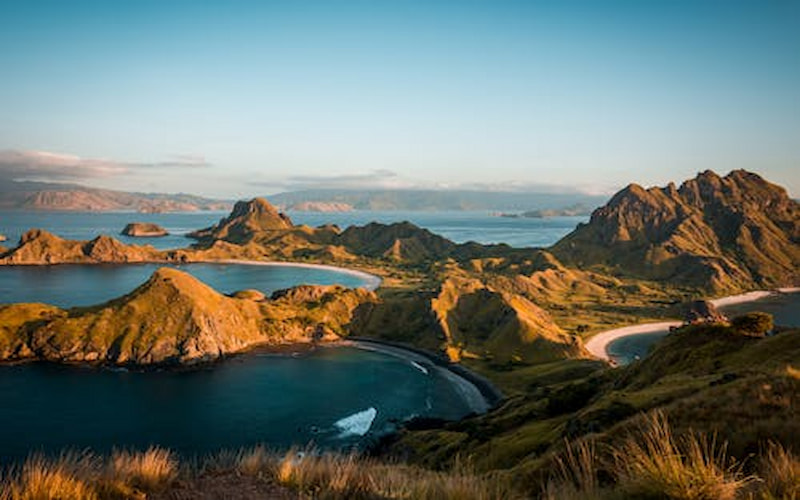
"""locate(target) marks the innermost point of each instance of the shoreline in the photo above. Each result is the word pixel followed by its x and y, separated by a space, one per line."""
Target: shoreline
pixel 477 391
pixel 373 282
pixel 598 344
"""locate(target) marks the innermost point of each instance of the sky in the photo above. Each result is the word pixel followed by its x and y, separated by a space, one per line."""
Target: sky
pixel 238 98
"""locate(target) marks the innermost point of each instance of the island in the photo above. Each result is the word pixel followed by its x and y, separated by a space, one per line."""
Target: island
pixel 144 230
pixel 529 320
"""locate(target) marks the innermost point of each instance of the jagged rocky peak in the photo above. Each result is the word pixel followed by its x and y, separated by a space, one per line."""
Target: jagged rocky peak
pixel 736 231
pixel 246 219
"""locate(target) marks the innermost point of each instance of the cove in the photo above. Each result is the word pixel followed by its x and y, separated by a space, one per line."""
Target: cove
pixel 784 307
pixel 69 285
pixel 334 397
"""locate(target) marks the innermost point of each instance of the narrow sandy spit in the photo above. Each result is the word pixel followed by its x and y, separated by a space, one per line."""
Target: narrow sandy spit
pixel 598 344
pixel 372 281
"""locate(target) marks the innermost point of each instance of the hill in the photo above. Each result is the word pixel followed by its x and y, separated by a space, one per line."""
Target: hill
pixel 718 233
pixel 71 197
pixel 174 318
pixel 432 200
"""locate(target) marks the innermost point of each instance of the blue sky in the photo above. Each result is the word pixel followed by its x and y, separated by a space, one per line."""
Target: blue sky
pixel 244 97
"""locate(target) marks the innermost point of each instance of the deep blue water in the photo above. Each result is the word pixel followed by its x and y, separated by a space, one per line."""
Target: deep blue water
pixel 457 226
pixel 279 400
pixel 81 285
pixel 785 309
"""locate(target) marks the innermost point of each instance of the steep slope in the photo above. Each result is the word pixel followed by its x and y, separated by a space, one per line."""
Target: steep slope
pixel 174 318
pixel 246 219
pixel 41 247
pixel 718 233
pixel 465 318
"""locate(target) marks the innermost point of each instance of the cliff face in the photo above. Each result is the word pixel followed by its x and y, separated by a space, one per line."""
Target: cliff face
pixel 719 233
pixel 174 319
pixel 41 247
pixel 246 219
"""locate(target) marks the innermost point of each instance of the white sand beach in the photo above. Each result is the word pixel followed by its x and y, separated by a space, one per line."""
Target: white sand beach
pixel 372 281
pixel 598 344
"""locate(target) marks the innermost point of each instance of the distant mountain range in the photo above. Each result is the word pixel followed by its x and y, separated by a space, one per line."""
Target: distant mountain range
pixel 429 200
pixel 76 198
pixel 72 197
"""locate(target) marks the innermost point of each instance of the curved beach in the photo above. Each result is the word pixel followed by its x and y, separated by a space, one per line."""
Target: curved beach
pixel 372 281
pixel 598 344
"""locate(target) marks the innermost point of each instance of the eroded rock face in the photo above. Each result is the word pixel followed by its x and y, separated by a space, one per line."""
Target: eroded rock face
pixel 144 230
pixel 173 318
pixel 703 311
pixel 721 233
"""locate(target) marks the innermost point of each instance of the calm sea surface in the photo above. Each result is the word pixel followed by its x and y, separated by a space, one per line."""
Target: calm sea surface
pixel 458 226
pixel 334 397
pixel 785 308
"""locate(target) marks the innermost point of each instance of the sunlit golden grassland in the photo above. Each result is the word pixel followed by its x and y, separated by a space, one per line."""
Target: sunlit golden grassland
pixel 651 462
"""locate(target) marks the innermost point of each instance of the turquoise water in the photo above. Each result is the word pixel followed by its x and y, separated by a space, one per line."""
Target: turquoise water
pixel 77 285
pixel 784 308
pixel 458 226
pixel 279 400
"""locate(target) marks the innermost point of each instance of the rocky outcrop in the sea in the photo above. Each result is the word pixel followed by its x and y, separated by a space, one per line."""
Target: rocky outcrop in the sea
pixel 173 319
pixel 144 230
pixel 38 247
pixel 247 219
pixel 718 233
pixel 2 238
pixel 703 311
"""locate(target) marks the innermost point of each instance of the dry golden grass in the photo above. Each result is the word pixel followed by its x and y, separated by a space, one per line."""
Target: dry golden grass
pixel 653 463
pixel 780 473
pixel 151 470
pixel 68 478
pixel 576 473
pixel 650 463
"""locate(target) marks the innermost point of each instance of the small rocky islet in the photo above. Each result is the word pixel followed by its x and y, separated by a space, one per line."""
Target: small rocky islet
pixel 144 230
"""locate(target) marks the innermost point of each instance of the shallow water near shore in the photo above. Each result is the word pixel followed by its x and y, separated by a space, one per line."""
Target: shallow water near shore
pixel 785 309
pixel 335 397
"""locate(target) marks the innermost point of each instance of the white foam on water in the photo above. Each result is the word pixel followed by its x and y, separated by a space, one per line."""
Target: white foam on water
pixel 419 367
pixel 356 424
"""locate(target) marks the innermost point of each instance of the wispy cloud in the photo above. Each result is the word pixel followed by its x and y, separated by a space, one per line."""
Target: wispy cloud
pixel 45 165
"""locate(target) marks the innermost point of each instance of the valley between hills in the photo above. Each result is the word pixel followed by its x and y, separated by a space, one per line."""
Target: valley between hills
pixel 519 317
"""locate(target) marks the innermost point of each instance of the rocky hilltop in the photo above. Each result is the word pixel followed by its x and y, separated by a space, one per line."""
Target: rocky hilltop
pixel 38 247
pixel 144 230
pixel 174 319
pixel 712 232
pixel 246 219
